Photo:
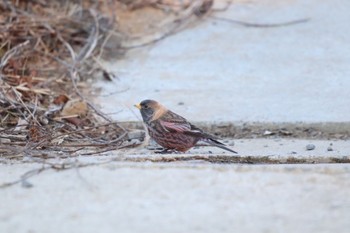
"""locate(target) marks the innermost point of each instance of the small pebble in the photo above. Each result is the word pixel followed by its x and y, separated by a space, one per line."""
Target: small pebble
pixel 5 140
pixel 136 134
pixel 285 132
pixel 310 147
pixel 180 103
pixel 267 132
pixel 329 148
pixel 26 184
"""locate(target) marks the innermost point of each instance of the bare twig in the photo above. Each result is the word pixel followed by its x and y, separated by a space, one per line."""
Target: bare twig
pixel 12 52
pixel 262 25
pixel 23 179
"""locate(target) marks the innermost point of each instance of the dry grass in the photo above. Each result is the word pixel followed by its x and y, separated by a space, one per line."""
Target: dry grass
pixel 48 49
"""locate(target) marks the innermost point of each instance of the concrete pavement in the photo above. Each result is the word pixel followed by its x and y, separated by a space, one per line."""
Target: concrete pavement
pixel 205 190
pixel 180 197
pixel 222 72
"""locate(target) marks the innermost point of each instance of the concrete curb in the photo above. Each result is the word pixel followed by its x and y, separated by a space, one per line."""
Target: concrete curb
pixel 240 129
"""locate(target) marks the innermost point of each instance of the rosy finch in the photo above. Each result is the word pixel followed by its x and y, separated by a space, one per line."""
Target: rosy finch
pixel 172 131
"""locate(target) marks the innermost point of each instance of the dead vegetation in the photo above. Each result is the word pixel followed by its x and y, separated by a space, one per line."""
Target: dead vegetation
pixel 48 50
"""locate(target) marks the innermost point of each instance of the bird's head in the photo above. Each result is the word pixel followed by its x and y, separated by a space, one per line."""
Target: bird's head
pixel 150 110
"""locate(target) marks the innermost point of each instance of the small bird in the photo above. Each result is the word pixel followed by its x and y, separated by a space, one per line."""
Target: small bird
pixel 172 131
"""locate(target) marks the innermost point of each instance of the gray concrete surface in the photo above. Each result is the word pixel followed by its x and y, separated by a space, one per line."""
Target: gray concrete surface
pixel 226 72
pixel 133 190
pixel 180 197
pixel 220 72
pixel 262 151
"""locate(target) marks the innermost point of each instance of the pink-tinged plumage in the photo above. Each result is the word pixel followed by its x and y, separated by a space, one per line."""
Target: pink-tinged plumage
pixel 171 130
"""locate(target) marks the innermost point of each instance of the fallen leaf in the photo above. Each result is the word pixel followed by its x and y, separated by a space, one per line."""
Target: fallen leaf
pixel 61 99
pixel 74 108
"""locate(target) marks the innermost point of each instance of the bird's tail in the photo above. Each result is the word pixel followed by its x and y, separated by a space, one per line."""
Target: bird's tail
pixel 216 143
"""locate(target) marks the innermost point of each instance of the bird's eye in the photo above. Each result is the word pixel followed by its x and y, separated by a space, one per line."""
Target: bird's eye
pixel 145 106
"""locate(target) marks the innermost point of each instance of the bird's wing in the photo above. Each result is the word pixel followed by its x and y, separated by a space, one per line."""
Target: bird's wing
pixel 185 128
pixel 179 127
pixel 173 122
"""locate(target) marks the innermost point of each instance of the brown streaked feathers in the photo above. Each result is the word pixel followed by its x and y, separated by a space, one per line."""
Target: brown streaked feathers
pixel 171 130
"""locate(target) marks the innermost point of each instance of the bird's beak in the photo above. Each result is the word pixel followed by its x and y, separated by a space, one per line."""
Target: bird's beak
pixel 138 106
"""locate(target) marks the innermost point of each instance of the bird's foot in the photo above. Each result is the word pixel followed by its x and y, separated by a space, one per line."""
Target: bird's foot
pixel 156 148
pixel 166 151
